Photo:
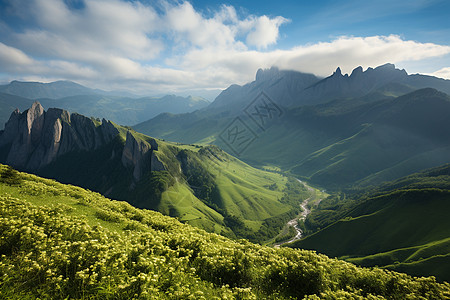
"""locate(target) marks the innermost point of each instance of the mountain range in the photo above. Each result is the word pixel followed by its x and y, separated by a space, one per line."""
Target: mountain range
pixel 122 108
pixel 371 126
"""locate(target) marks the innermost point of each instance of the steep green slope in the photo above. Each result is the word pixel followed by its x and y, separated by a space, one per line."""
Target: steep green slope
pixel 60 241
pixel 400 225
pixel 201 185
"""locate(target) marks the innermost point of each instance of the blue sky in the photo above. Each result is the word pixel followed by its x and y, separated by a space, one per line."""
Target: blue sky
pixel 165 46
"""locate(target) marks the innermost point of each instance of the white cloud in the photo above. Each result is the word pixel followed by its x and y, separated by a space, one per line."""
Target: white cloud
pixel 172 47
pixel 442 73
pixel 320 59
pixel 264 31
pixel 349 52
pixel 12 58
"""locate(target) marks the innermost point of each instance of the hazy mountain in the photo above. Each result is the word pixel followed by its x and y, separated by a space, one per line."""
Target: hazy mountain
pixel 290 88
pixel 401 225
pixel 126 110
pixel 53 90
pixel 200 185
pixel 284 87
pixel 115 106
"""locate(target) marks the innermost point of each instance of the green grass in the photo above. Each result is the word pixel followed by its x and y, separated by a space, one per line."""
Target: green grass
pixel 202 185
pixel 63 242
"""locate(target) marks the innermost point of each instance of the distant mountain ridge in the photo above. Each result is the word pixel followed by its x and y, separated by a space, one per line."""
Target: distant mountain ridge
pixel 52 90
pixel 291 88
pixel 119 107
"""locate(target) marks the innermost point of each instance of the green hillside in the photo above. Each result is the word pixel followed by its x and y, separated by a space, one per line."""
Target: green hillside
pixel 201 185
pixel 62 242
pixel 400 225
pixel 334 144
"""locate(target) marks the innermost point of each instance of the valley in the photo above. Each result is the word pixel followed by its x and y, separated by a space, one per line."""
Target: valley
pixel 63 240
pixel 362 178
pixel 306 206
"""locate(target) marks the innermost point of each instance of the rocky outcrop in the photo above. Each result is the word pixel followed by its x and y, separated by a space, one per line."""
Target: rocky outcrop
pixel 36 138
pixel 140 155
pixel 135 155
pixel 156 164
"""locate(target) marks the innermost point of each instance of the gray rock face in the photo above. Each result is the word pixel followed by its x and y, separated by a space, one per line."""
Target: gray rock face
pixel 26 129
pixel 135 155
pixel 156 164
pixel 140 155
pixel 36 138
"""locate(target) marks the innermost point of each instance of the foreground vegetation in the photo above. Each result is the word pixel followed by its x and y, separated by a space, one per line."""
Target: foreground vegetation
pixel 60 241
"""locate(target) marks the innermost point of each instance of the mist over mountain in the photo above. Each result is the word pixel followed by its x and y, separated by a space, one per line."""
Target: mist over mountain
pixel 290 88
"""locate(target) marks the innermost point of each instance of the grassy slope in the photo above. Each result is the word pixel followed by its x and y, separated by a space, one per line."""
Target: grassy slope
pixel 60 241
pixel 236 188
pixel 401 225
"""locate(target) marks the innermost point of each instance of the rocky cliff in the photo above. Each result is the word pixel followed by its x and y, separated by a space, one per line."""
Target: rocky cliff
pixel 35 138
pixel 140 155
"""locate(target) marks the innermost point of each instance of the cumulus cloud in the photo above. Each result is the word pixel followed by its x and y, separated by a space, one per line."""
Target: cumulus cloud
pixel 264 31
pixel 172 47
pixel 348 52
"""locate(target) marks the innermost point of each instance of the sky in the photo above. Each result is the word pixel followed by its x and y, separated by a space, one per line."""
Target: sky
pixel 200 47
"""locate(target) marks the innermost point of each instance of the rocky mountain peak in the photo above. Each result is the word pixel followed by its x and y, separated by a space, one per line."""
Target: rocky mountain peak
pixel 37 137
pixel 337 72
pixel 267 74
pixel 387 66
pixel 356 72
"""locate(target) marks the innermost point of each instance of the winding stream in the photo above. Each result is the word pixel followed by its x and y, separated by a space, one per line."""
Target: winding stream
pixel 301 217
